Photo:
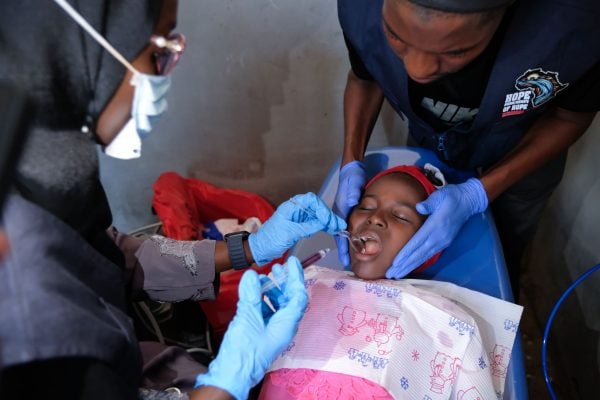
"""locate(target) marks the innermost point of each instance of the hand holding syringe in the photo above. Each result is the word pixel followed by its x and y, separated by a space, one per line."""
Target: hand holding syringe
pixel 282 276
pixel 357 244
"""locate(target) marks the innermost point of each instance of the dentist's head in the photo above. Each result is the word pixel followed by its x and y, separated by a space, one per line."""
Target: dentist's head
pixel 140 99
pixel 81 93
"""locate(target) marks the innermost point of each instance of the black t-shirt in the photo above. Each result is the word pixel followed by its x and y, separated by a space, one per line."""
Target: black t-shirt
pixel 456 97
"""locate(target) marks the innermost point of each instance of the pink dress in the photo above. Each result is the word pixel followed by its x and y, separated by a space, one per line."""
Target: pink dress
pixel 302 383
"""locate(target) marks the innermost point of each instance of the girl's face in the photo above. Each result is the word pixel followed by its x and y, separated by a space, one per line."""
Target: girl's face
pixel 385 219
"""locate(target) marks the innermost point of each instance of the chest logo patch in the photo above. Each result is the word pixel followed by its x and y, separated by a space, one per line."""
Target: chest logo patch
pixel 534 88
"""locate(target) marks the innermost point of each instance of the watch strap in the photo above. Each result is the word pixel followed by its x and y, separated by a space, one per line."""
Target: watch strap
pixel 235 248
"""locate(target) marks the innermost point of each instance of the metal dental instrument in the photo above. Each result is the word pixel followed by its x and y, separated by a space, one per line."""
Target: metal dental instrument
pixel 277 281
pixel 354 241
pixel 357 244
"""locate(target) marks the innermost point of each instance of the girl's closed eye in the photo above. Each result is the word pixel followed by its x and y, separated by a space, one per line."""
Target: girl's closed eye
pixel 366 205
pixel 402 217
pixel 406 214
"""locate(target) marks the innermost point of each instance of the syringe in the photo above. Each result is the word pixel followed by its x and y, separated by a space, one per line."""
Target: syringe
pixel 277 281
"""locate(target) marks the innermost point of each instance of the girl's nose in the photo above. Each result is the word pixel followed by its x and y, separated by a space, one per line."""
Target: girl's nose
pixel 377 219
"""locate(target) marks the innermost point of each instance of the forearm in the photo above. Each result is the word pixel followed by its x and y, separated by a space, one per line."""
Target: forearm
pixel 209 393
pixel 222 261
pixel 362 103
pixel 549 136
pixel 4 247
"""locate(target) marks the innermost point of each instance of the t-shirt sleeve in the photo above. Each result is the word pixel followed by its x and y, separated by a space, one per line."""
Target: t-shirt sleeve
pixel 358 67
pixel 584 94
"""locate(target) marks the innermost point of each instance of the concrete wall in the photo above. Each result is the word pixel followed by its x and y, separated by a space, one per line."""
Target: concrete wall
pixel 255 104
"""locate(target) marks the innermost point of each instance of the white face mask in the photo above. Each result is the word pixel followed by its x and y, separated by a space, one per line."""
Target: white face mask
pixel 149 104
pixel 149 100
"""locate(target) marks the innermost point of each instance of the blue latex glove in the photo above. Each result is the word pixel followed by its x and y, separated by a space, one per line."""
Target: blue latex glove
pixel 353 178
pixel 276 295
pixel 448 209
pixel 251 344
pixel 300 217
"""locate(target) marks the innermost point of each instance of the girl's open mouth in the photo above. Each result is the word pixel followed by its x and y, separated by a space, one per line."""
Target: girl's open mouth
pixel 371 245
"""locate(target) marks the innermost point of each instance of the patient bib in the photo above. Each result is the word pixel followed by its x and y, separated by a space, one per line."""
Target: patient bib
pixel 418 339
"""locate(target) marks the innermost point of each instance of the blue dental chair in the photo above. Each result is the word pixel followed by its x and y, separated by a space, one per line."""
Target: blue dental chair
pixel 474 260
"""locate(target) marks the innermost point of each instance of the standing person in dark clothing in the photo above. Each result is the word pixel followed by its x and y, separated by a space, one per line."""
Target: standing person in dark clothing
pixel 500 88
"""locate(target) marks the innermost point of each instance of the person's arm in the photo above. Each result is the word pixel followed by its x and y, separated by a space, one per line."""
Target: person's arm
pixel 254 338
pixel 450 207
pixel 196 263
pixel 210 393
pixel 362 104
pixel 3 245
pixel 301 216
pixel 552 134
pixel 222 261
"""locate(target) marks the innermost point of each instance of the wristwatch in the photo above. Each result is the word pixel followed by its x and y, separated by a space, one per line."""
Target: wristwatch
pixel 235 248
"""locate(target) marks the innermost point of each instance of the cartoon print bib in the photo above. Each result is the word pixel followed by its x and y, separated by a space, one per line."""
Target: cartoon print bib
pixel 417 339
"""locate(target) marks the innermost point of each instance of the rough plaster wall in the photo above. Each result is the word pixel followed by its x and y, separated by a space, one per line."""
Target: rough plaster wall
pixel 255 104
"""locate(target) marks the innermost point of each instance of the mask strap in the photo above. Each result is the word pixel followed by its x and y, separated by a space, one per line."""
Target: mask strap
pixel 98 37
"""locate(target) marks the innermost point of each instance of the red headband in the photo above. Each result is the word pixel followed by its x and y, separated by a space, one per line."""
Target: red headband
pixel 411 170
pixel 416 173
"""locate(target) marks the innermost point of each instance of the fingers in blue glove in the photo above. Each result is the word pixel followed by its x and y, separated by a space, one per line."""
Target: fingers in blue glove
pixel 448 208
pixel 278 296
pixel 276 293
pixel 267 308
pixel 342 247
pixel 432 237
pixel 296 299
pixel 414 253
pixel 250 345
pixel 230 370
pixel 432 203
pixel 315 213
pixel 352 179
pixel 249 289
pixel 297 218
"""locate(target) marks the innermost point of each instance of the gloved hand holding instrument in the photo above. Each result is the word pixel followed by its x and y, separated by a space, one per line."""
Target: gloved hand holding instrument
pixel 300 217
pixel 448 209
pixel 254 339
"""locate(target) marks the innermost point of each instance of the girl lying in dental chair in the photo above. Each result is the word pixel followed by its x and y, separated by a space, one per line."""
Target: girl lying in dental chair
pixel 365 337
